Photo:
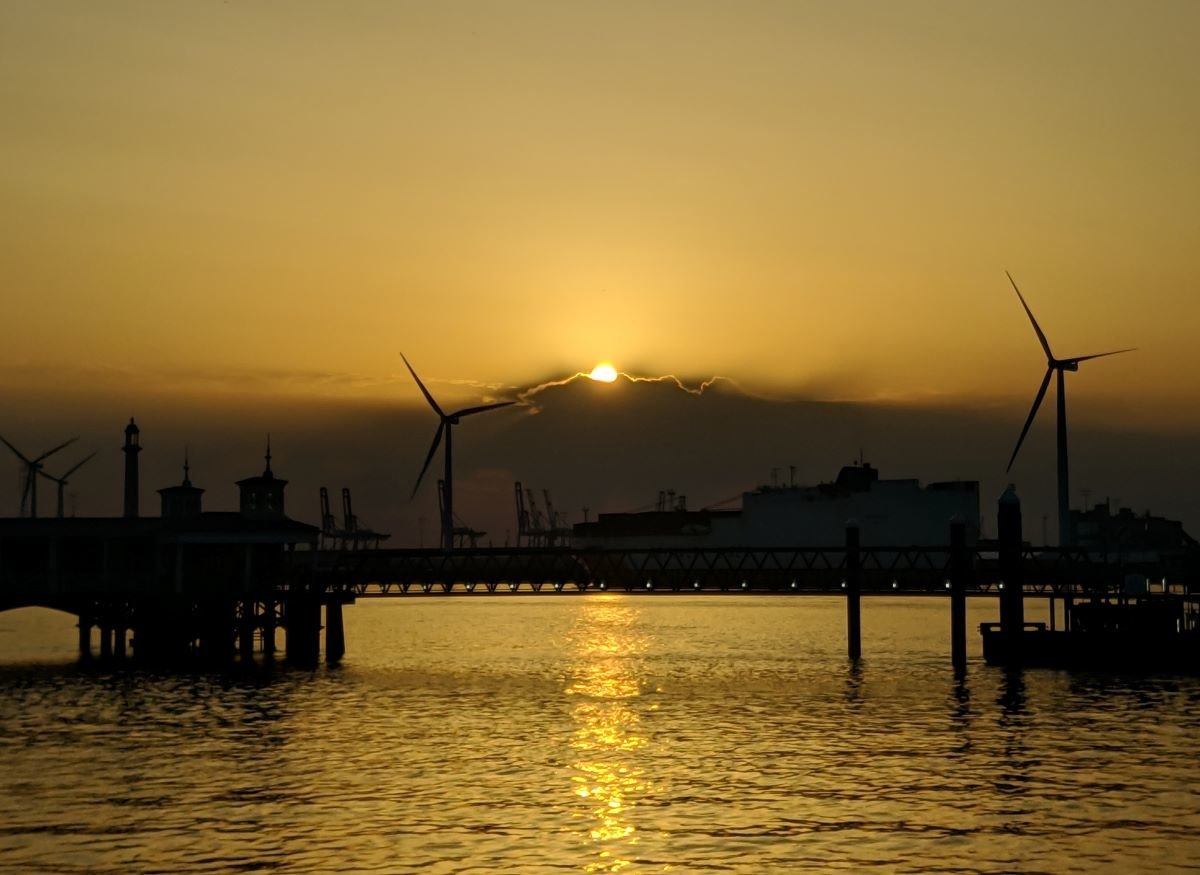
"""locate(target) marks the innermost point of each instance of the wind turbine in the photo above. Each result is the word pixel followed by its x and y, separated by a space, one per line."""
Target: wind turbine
pixel 1059 367
pixel 32 466
pixel 62 481
pixel 446 426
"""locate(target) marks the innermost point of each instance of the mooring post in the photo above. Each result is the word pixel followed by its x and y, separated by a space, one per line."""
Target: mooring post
pixel 1012 596
pixel 959 565
pixel 853 592
pixel 335 634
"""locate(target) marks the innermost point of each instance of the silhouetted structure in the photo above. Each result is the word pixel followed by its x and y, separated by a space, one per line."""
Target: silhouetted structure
pixel 1059 367
pixel 534 530
pixel 1126 536
pixel 262 496
pixel 446 427
pixel 32 468
pixel 460 535
pixel 188 582
pixel 1104 626
pixel 131 449
pixel 61 482
pixel 889 513
pixel 353 535
pixel 183 501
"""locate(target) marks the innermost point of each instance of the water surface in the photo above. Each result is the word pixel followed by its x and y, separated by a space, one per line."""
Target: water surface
pixel 597 734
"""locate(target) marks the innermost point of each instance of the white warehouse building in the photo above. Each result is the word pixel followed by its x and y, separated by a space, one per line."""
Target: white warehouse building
pixel 889 513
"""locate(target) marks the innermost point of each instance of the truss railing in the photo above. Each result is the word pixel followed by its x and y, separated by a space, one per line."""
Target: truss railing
pixel 882 570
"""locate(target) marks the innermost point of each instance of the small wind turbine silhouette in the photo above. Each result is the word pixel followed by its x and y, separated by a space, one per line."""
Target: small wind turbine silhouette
pixel 32 467
pixel 62 481
pixel 1059 367
pixel 448 421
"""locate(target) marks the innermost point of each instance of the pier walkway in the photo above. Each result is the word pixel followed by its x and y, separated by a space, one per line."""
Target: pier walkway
pixel 171 593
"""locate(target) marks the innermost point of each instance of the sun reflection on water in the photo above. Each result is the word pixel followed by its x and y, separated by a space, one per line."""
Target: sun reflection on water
pixel 609 778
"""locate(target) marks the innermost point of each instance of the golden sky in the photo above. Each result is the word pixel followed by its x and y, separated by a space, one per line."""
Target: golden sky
pixel 811 198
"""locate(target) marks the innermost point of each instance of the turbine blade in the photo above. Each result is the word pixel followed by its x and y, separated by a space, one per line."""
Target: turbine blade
pixel 1041 337
pixel 437 439
pixel 1037 402
pixel 421 386
pixel 470 411
pixel 19 454
pixel 56 449
pixel 77 466
pixel 1100 355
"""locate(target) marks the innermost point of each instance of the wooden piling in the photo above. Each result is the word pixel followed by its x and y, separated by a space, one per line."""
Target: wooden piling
pixel 1012 597
pixel 853 592
pixel 959 565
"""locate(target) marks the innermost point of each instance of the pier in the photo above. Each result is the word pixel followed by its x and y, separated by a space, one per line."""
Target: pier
pixel 218 587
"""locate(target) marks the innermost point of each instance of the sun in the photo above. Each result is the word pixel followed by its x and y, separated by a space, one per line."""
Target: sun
pixel 603 373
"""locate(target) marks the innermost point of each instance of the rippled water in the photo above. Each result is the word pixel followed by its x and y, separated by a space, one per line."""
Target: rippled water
pixel 597 734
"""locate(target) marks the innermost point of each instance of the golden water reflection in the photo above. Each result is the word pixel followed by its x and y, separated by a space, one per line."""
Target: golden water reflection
pixel 608 647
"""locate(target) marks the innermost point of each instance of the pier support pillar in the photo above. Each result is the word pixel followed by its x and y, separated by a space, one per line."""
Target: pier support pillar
pixel 85 638
pixel 268 627
pixel 959 566
pixel 120 633
pixel 303 628
pixel 106 639
pixel 246 630
pixel 1012 597
pixel 853 592
pixel 335 634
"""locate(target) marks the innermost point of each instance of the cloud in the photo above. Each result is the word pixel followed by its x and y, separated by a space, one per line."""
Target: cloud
pixel 527 395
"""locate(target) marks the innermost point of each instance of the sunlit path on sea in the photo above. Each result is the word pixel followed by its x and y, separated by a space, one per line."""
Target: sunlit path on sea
pixel 607 733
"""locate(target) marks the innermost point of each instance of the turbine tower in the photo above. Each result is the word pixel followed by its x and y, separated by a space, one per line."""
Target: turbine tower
pixel 446 425
pixel 32 467
pixel 1059 367
pixel 62 481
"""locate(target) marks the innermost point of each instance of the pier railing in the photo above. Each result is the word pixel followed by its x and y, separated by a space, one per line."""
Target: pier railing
pixel 908 570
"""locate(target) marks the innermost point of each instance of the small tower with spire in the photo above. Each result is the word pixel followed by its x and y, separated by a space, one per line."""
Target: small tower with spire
pixel 182 501
pixel 262 496
pixel 131 449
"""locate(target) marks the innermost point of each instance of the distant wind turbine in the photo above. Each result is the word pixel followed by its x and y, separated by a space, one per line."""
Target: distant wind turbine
pixel 448 421
pixel 32 467
pixel 62 481
pixel 1060 367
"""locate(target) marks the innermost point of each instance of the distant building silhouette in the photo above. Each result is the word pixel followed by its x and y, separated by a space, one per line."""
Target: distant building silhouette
pixel 1101 529
pixel 888 512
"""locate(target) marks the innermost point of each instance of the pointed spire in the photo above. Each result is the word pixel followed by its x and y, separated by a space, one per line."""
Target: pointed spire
pixel 268 473
pixel 187 481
